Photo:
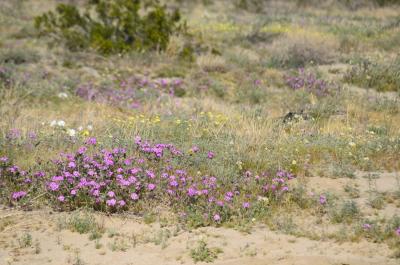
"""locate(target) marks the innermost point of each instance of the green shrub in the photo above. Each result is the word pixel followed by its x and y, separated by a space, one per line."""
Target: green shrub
pixel 18 56
pixel 382 77
pixel 250 5
pixel 113 26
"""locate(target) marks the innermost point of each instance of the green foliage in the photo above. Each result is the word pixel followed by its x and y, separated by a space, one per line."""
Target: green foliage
pixel 203 253
pixel 382 77
pixel 83 223
pixel 250 5
pixel 111 26
pixel 348 212
pixel 25 240
pixel 18 56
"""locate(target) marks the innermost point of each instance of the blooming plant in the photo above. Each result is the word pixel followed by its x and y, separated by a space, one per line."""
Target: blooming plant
pixel 131 91
pixel 309 82
pixel 118 179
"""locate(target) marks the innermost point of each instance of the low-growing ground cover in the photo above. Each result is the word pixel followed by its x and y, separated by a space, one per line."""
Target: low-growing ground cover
pixel 279 120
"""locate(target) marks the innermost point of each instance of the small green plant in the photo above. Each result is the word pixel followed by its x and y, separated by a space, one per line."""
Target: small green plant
pixel 82 223
pixel 352 191
pixel 203 253
pixel 377 201
pixel 19 56
pixel 78 260
pixel 25 240
pixel 113 26
pixel 118 245
pixel 348 212
pixel 97 244
pixel 161 238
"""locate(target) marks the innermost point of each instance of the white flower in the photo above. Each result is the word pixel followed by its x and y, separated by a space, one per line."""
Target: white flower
pixel 63 95
pixel 352 144
pixel 90 127
pixel 61 123
pixel 71 132
pixel 53 123
pixel 80 128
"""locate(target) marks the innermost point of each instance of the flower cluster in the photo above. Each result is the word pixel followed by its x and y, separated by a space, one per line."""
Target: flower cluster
pixel 121 179
pixel 131 91
pixel 308 82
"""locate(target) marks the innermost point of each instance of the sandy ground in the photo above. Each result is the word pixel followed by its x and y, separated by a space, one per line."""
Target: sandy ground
pixel 137 244
pixel 127 240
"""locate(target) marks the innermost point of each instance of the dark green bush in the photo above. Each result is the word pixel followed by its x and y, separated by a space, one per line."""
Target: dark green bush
pixel 111 26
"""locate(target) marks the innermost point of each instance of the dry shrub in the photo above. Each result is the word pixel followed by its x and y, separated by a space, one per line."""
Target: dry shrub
pixel 212 63
pixel 297 49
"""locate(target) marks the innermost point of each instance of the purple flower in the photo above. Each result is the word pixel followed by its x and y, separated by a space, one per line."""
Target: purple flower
pixel 73 192
pixel 398 231
pixel 32 135
pixel 367 226
pixel 61 198
pixel 150 174
pixel 134 196
pixel 91 141
pixel 40 174
pixel 173 183
pixel 246 205
pixel 191 192
pixel 210 155
pixel 151 186
pixel 111 202
pixel 18 195
pixel 322 199
pixel 53 186
pixel 14 134
pixel 71 164
pixel 195 149
pixel 122 203
pixel 82 150
pixel 111 194
pixel 3 159
pixel 217 217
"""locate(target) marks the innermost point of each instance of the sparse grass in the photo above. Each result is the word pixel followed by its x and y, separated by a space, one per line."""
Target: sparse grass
pixel 203 253
pixel 83 223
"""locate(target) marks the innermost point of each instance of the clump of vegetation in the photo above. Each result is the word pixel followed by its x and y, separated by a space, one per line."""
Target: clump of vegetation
pixel 382 77
pixel 25 240
pixel 18 56
pixel 111 26
pixel 347 212
pixel 83 223
pixel 298 50
pixel 309 82
pixel 203 253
